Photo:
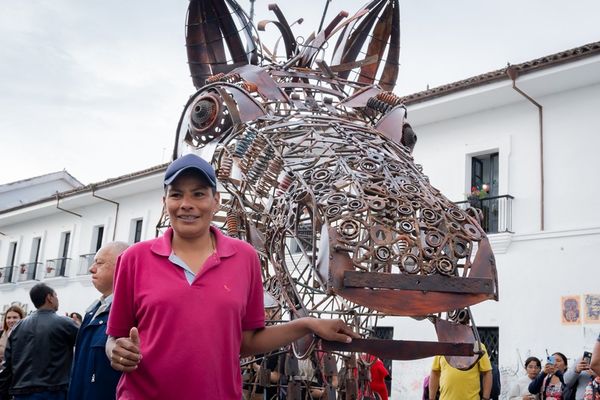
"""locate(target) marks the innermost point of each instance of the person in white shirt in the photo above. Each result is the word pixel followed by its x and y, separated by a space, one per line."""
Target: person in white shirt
pixel 519 390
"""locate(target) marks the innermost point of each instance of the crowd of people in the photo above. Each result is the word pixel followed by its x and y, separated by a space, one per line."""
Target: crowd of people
pixel 54 357
pixel 555 381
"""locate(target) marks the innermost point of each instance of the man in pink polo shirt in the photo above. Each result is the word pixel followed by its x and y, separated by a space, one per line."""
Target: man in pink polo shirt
pixel 189 303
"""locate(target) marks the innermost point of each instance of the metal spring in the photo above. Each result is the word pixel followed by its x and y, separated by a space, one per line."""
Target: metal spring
pixel 257 147
pixel 389 98
pixel 232 224
pixel 232 78
pixel 243 143
pixel 285 183
pixel 273 171
pixel 224 171
pixel 378 105
pixel 257 170
pixel 215 78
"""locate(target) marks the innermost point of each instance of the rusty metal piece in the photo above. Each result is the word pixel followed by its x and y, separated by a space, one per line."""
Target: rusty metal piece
pixel 214 41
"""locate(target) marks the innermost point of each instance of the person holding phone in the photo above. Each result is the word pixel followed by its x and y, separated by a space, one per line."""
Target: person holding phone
pixel 595 362
pixel 577 378
pixel 550 383
pixel 519 390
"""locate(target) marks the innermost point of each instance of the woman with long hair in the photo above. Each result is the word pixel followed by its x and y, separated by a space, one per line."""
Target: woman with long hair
pixel 550 383
pixel 12 315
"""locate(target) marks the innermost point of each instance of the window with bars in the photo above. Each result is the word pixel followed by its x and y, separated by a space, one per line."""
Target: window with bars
pixel 490 336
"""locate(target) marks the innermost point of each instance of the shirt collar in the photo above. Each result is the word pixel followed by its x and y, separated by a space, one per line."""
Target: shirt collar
pixel 162 246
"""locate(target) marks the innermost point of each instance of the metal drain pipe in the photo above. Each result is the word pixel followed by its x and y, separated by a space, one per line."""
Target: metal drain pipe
pixel 116 211
pixel 512 73
pixel 62 209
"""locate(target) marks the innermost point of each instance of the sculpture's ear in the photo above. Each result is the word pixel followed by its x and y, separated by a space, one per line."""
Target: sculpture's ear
pixel 375 38
pixel 218 38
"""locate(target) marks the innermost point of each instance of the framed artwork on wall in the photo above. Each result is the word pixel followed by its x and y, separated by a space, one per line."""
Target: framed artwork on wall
pixel 591 307
pixel 570 310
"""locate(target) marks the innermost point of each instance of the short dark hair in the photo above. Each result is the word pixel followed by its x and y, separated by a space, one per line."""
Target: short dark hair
pixel 534 359
pixel 76 315
pixel 38 294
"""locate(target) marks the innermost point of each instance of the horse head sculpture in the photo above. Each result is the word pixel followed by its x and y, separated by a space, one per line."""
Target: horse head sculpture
pixel 315 170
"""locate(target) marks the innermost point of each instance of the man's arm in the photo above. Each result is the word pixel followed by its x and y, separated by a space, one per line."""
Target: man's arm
pixel 276 336
pixel 434 384
pixel 536 383
pixel 595 364
pixel 486 379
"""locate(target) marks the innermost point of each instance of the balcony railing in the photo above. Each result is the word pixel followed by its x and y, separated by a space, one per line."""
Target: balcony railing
pixel 85 262
pixel 6 274
pixel 496 210
pixel 28 271
pixel 56 267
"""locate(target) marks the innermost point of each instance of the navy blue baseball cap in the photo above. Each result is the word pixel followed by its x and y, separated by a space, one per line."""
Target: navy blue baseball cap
pixel 190 161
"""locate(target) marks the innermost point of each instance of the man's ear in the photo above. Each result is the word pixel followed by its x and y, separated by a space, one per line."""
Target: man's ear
pixel 218 201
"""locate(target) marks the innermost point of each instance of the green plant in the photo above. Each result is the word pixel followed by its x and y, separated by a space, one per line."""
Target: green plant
pixel 479 192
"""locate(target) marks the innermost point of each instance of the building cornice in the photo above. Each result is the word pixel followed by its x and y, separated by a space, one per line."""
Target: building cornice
pixel 92 187
pixel 538 64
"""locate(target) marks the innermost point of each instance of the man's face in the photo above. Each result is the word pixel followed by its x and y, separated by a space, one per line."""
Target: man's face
pixel 191 205
pixel 102 271
pixel 54 301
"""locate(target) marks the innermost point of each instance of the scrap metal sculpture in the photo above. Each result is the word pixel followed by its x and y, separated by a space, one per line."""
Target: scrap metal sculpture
pixel 315 169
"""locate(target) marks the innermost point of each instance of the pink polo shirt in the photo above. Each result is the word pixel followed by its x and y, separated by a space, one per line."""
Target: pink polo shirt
pixel 190 334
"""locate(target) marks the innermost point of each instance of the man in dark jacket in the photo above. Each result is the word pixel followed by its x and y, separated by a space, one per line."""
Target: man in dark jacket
pixel 40 349
pixel 92 377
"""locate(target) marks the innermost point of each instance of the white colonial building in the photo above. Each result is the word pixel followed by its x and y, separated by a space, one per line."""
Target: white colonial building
pixel 531 137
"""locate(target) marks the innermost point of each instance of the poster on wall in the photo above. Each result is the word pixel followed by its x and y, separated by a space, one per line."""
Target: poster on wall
pixel 570 310
pixel 591 313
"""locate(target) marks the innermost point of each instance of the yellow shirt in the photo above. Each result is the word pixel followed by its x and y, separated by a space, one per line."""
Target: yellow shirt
pixel 460 385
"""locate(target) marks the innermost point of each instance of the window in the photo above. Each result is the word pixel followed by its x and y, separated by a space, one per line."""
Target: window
pixel 97 238
pixel 490 336
pixel 12 254
pixel 35 250
pixel 484 171
pixel 484 177
pixel 136 230
pixel 7 271
pixel 64 253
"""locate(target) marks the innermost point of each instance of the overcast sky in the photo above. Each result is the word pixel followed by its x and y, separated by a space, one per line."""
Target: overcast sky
pixel 97 87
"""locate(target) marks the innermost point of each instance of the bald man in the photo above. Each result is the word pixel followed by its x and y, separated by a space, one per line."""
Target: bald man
pixel 92 376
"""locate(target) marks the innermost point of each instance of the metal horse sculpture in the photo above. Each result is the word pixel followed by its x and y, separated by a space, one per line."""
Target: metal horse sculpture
pixel 315 169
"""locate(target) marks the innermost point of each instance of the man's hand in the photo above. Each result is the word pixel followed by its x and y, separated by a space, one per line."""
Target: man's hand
pixel 332 329
pixel 125 354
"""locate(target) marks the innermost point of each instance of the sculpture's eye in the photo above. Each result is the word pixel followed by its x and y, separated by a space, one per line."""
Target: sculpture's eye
pixel 208 119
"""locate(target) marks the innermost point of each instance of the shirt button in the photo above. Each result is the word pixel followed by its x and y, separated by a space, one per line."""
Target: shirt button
pixel 100 322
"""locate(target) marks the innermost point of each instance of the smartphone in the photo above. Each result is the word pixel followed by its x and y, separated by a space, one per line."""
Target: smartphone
pixel 551 359
pixel 587 357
